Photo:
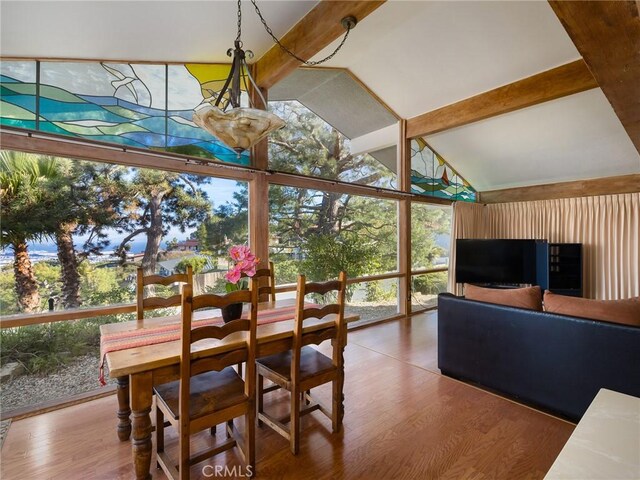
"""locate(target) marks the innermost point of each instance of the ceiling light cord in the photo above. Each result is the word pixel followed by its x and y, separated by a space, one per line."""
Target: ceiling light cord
pixel 239 23
pixel 347 22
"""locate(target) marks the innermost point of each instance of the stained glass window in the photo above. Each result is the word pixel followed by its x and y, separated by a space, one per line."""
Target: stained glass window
pixel 188 86
pixel 431 175
pixel 18 94
pixel 139 105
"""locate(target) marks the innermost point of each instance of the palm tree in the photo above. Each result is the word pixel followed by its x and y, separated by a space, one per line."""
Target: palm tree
pixel 25 208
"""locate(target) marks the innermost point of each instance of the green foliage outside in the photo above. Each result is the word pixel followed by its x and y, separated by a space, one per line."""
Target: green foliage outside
pixel 430 283
pixel 100 285
pixel 227 225
pixel 161 200
pixel 321 233
pixel 427 223
pixel 8 297
pixel 197 264
pixel 327 256
pixel 376 293
pixel 286 269
pixel 45 348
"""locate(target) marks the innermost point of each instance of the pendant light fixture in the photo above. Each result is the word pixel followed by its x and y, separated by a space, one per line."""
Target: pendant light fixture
pixel 223 116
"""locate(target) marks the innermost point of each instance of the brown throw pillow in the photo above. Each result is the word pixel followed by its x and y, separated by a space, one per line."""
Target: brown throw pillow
pixel 619 311
pixel 528 297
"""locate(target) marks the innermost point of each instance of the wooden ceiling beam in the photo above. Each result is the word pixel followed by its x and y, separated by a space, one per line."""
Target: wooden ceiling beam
pixel 579 188
pixel 311 34
pixel 607 35
pixel 558 82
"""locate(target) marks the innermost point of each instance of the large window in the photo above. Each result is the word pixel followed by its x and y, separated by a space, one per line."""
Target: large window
pixel 321 233
pixel 336 129
pixel 74 232
pixel 430 235
pixel 73 235
pixel 309 146
pixel 430 241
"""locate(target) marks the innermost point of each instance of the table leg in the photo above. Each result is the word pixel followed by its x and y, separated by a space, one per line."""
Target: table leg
pixel 141 394
pixel 124 409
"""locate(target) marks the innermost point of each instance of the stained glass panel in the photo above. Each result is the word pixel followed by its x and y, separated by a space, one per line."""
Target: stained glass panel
pixel 18 94
pixel 431 175
pixel 189 85
pixel 113 102
pixel 140 105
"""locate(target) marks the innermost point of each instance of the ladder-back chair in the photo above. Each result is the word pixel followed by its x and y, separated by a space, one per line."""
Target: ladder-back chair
pixel 268 291
pixel 151 303
pixel 209 391
pixel 303 367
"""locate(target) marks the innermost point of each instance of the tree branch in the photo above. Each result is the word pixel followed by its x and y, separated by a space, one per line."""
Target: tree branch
pixel 284 145
pixel 320 144
pixel 126 239
pixel 189 183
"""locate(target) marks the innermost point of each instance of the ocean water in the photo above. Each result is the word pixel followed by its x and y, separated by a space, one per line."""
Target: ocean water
pixel 43 251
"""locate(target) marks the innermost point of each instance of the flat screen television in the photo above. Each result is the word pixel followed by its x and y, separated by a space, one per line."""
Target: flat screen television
pixel 496 261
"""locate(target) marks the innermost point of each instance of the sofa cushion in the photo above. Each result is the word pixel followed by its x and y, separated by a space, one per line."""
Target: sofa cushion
pixel 528 297
pixel 620 311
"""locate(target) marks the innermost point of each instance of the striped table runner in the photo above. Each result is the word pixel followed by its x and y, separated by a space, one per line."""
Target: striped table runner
pixel 168 333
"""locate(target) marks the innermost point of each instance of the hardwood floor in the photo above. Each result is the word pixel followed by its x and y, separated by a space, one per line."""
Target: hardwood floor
pixel 402 420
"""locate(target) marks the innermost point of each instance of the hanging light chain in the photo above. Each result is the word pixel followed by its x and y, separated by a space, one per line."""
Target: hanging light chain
pixel 348 23
pixel 239 22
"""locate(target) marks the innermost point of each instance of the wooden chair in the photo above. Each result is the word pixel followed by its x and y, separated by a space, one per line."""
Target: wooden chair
pixel 151 303
pixel 209 390
pixel 266 292
pixel 304 367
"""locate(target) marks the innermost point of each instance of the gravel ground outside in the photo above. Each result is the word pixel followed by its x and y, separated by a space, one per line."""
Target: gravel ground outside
pixel 81 375
pixel 78 376
pixel 367 311
pixel 420 300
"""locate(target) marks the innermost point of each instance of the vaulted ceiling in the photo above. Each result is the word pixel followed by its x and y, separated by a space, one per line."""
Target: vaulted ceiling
pixel 416 56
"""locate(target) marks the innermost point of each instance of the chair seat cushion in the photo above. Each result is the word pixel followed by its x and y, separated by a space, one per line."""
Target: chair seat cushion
pixel 312 362
pixel 210 392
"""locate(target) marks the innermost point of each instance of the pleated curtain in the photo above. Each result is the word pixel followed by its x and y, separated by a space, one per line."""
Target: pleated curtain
pixel 468 221
pixel 607 226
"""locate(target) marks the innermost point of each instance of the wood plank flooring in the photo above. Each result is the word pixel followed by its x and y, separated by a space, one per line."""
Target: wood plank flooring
pixel 403 420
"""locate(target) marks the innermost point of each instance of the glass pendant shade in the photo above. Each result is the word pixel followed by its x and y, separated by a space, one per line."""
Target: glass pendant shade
pixel 239 128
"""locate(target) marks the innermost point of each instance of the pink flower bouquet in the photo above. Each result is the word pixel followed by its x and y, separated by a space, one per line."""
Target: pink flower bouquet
pixel 244 265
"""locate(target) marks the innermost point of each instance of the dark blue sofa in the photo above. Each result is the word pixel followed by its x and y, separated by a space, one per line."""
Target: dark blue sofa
pixel 554 362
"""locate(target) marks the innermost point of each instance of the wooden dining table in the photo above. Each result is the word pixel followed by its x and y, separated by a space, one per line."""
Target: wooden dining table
pixel 138 369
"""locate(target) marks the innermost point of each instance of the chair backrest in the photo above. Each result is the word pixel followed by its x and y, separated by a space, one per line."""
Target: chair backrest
pixel 151 303
pixel 268 290
pixel 335 330
pixel 239 351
